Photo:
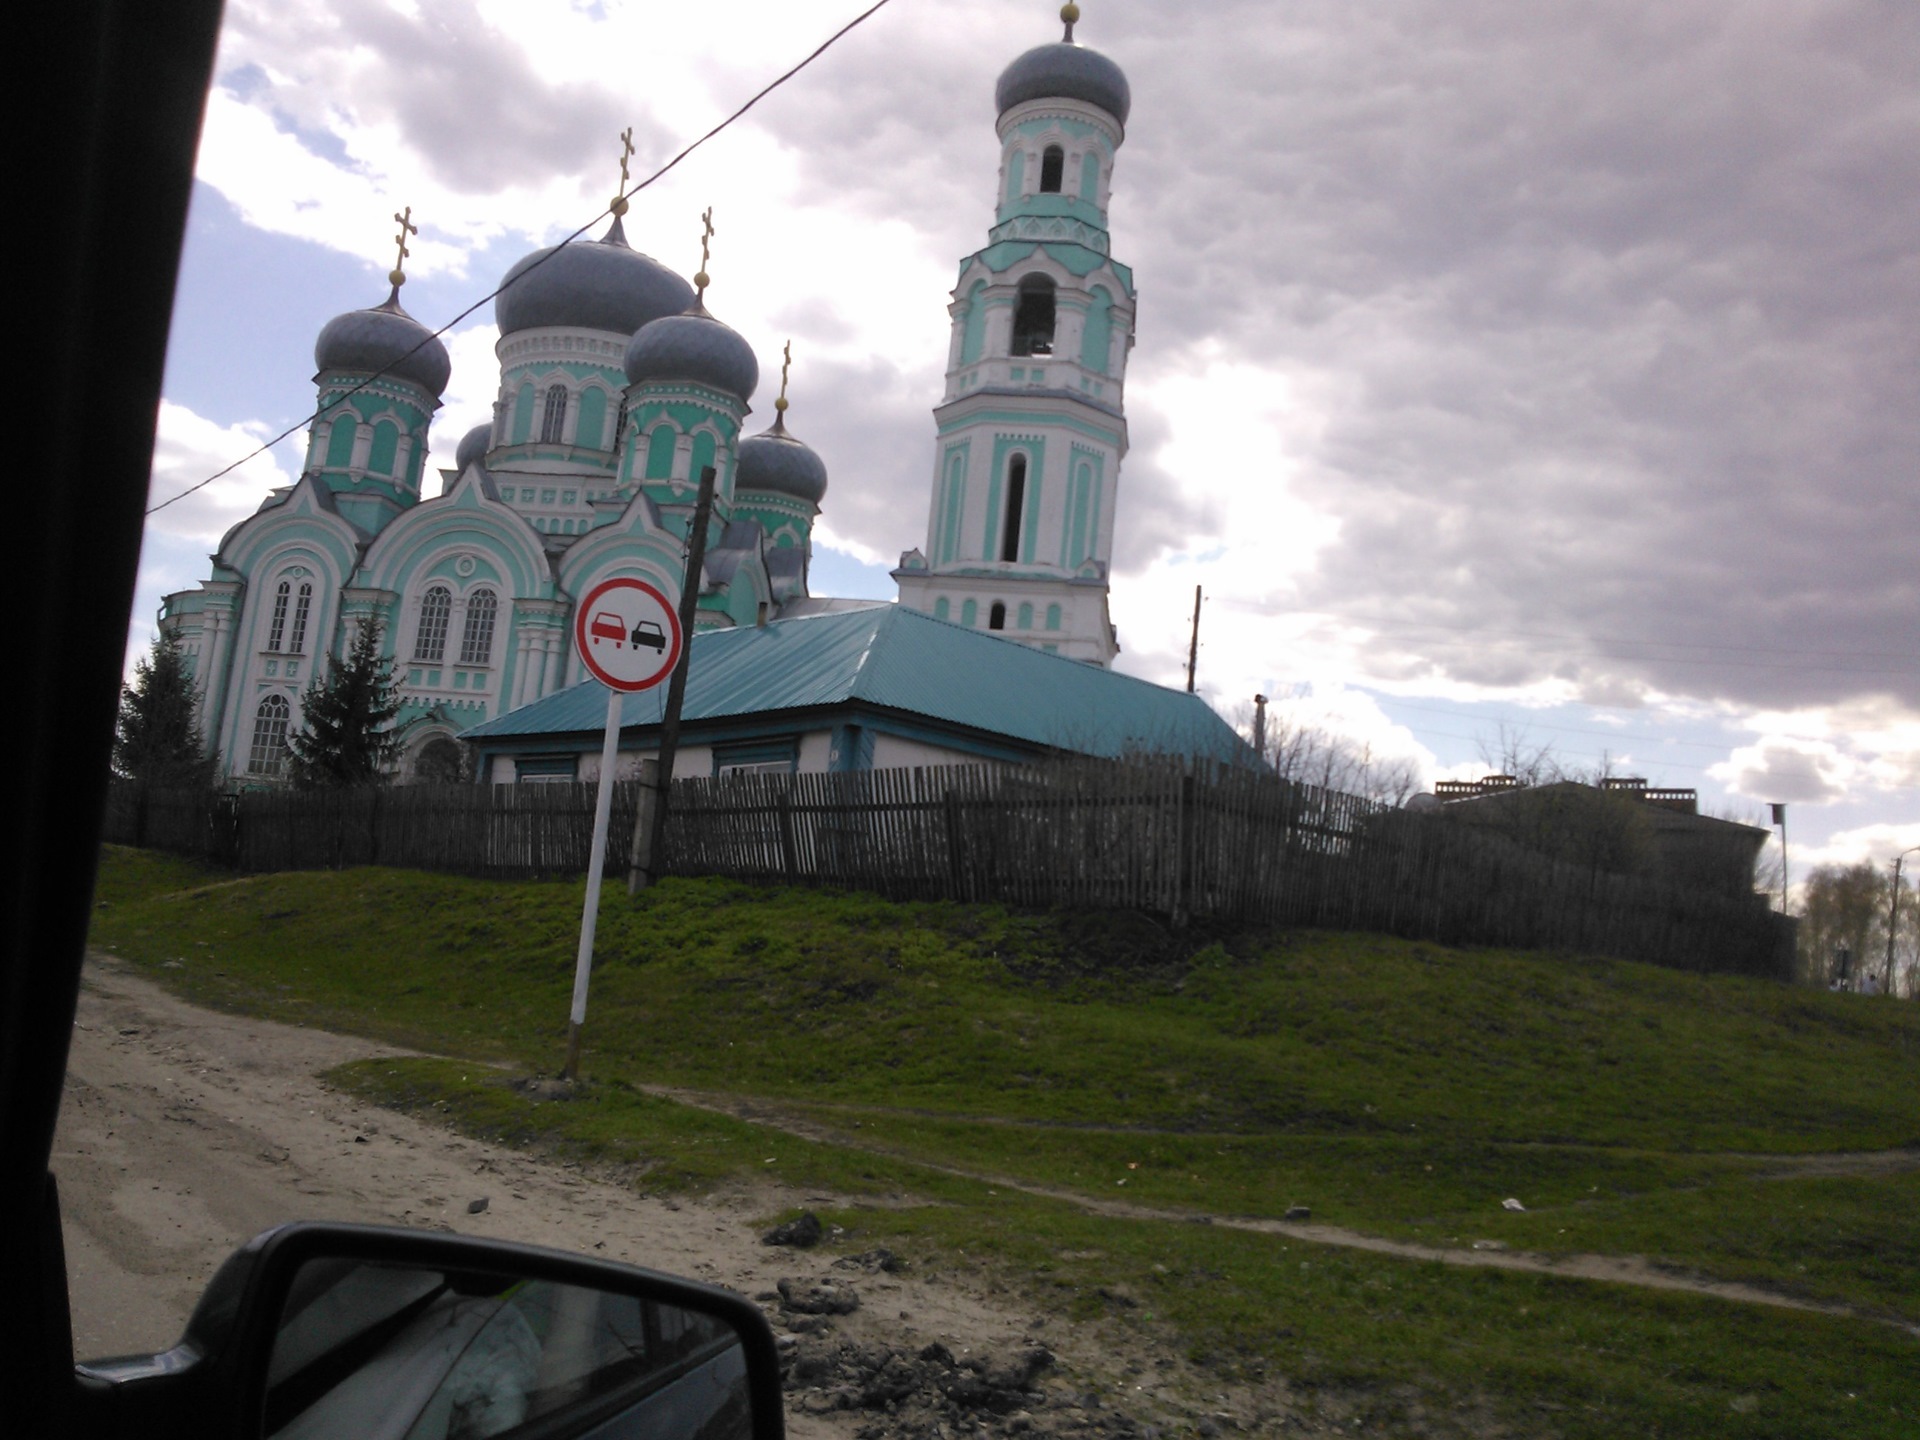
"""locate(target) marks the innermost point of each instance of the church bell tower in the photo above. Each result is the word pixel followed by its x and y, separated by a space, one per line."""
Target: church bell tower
pixel 1032 428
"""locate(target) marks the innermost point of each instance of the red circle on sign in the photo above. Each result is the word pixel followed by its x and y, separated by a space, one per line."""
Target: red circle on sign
pixel 626 634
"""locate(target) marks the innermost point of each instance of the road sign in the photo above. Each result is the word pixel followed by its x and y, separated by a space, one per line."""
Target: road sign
pixel 627 634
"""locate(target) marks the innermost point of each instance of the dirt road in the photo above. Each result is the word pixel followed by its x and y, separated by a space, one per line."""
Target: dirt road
pixel 185 1131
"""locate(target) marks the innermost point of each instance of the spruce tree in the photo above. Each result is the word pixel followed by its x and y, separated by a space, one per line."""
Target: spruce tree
pixel 346 734
pixel 157 740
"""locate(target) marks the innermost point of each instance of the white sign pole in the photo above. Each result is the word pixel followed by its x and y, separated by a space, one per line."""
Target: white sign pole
pixel 596 868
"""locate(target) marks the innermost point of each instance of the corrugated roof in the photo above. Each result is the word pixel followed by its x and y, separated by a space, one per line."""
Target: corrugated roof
pixel 900 659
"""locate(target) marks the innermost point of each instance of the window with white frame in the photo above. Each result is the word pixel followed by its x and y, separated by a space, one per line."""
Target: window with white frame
pixel 302 608
pixel 476 635
pixel 268 755
pixel 277 626
pixel 553 419
pixel 430 639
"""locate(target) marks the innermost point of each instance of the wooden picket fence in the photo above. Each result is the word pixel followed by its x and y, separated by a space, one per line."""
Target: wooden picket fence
pixel 1235 845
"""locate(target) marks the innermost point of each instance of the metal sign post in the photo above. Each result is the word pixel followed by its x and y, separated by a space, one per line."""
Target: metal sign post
pixel 629 639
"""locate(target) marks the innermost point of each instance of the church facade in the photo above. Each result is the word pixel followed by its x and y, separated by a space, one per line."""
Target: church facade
pixel 616 390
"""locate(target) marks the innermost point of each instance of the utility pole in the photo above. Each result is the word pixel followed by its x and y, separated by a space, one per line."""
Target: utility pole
pixel 1780 819
pixel 1260 728
pixel 677 686
pixel 1193 646
pixel 1893 911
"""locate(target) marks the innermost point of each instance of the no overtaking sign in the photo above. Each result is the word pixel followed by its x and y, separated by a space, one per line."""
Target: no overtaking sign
pixel 627 635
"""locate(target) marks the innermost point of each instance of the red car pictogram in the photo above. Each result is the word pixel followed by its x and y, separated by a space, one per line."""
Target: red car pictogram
pixel 607 626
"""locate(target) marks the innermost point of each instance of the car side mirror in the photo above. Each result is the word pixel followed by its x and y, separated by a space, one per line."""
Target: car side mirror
pixel 322 1330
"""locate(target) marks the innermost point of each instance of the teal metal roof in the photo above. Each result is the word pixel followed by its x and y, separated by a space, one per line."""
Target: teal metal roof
pixel 889 657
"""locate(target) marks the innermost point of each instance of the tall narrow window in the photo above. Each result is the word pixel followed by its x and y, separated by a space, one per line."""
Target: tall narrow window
pixel 1033 317
pixel 476 636
pixel 269 753
pixel 430 641
pixel 302 607
pixel 277 627
pixel 1052 162
pixel 997 616
pixel 1016 502
pixel 554 418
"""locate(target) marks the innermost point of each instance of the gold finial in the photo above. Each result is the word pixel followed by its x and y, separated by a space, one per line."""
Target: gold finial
pixel 619 205
pixel 398 275
pixel 701 280
pixel 786 364
pixel 1069 13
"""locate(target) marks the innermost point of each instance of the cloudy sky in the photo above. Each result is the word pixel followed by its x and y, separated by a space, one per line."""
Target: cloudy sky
pixel 1506 369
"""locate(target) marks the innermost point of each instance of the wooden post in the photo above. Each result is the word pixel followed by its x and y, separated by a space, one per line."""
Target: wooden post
pixel 677 686
pixel 640 860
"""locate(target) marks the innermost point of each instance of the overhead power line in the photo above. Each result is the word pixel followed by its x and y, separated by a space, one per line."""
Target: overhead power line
pixel 493 294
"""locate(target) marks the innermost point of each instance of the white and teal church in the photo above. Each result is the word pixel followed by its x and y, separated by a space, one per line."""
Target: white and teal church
pixel 617 388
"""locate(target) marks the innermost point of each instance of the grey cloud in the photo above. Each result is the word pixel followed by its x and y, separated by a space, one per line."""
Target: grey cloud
pixel 458 90
pixel 1781 772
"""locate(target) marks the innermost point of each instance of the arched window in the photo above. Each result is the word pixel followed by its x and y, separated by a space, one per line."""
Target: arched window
pixel 997 616
pixel 277 627
pixel 660 443
pixel 1033 317
pixel 269 753
pixel 430 640
pixel 340 443
pixel 589 429
pixel 1096 340
pixel 302 608
pixel 1016 502
pixel 941 609
pixel 1053 161
pixel 383 450
pixel 476 636
pixel 523 413
pixel 703 454
pixel 969 613
pixel 553 419
pixel 1053 617
pixel 1025 621
pixel 974 336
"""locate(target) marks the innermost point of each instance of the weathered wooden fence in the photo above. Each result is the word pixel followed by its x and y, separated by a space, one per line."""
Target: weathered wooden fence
pixel 1234 844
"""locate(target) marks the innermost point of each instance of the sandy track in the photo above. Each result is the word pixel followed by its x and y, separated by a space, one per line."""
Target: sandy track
pixel 185 1131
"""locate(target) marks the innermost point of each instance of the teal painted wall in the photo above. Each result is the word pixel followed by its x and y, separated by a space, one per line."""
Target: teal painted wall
pixel 523 414
pixel 1096 339
pixel 660 452
pixel 974 337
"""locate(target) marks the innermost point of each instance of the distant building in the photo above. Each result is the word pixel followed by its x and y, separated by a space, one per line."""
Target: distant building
pixel 848 686
pixel 1622 825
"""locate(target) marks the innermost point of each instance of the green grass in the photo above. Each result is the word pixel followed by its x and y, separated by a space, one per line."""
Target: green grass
pixel 1396 1088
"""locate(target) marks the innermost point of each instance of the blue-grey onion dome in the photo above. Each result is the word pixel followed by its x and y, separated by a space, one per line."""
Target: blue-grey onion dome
pixel 601 284
pixel 697 347
pixel 384 339
pixel 473 447
pixel 773 462
pixel 1063 71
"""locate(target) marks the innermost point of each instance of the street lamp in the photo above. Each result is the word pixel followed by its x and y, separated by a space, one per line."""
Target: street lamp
pixel 1893 910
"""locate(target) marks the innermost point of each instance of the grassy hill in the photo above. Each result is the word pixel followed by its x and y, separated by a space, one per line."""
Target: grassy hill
pixel 995 1065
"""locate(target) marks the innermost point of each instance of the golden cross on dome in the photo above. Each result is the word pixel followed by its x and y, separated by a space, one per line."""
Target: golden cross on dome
pixel 702 280
pixel 619 203
pixel 786 364
pixel 398 275
pixel 1069 13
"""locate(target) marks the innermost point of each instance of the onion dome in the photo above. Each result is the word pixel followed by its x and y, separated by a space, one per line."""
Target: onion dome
pixel 388 339
pixel 601 284
pixel 473 447
pixel 1065 71
pixel 773 462
pixel 693 346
